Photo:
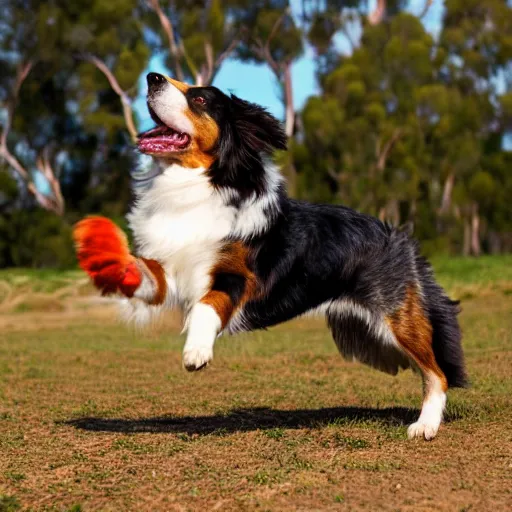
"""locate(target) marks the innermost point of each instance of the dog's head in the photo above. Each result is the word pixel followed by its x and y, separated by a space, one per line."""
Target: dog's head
pixel 203 127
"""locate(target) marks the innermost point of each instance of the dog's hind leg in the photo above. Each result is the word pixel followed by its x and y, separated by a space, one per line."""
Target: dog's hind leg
pixel 413 333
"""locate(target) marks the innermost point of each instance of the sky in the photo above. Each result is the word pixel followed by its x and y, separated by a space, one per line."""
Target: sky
pixel 256 83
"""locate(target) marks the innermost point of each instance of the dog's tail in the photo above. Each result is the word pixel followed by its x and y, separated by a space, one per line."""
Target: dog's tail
pixel 446 336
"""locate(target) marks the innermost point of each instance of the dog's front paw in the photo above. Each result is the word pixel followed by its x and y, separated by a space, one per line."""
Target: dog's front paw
pixel 421 429
pixel 195 359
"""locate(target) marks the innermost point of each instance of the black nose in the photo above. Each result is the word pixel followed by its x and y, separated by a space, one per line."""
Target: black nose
pixel 155 80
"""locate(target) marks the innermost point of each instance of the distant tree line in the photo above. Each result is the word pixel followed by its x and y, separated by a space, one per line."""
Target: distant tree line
pixel 409 127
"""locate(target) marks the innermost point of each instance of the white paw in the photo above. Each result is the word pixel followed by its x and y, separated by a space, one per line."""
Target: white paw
pixel 195 359
pixel 420 429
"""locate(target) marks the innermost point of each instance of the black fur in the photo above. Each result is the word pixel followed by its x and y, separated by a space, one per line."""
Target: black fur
pixel 248 134
pixel 231 284
pixel 316 255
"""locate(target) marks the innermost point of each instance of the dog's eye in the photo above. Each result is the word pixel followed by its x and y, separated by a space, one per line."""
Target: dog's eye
pixel 199 100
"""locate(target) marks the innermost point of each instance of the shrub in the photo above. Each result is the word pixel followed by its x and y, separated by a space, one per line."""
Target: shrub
pixel 35 238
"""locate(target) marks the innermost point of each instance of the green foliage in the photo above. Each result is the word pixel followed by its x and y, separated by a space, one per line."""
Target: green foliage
pixel 35 238
pixel 8 187
pixel 9 503
pixel 268 23
pixel 404 116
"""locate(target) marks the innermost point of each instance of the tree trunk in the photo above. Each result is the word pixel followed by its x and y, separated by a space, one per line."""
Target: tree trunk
pixel 289 170
pixel 413 209
pixel 494 242
pixel 377 15
pixel 466 246
pixel 476 248
pixel 446 201
pixel 288 100
pixel 395 213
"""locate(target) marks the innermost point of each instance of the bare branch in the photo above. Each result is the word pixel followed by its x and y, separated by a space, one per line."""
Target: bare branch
pixel 288 100
pixel 262 52
pixel 221 58
pixel 14 163
pixel 56 205
pixel 44 166
pixel 383 155
pixel 446 201
pixel 282 71
pixel 190 63
pixel 227 52
pixel 125 99
pixel 377 15
pixel 266 48
pixel 21 75
pixel 262 49
pixel 426 7
pixel 207 71
pixel 333 174
pixel 278 22
pixel 171 38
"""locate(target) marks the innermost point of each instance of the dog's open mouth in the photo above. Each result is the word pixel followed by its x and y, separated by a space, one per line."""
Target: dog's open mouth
pixel 162 139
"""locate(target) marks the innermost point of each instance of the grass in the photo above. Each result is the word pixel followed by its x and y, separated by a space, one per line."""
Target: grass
pixel 467 278
pixel 483 270
pixel 452 272
pixel 94 416
pixel 39 280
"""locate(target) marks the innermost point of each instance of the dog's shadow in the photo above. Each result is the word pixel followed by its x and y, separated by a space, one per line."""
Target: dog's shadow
pixel 250 419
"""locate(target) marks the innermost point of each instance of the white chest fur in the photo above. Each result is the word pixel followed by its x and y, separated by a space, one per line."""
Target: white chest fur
pixel 181 222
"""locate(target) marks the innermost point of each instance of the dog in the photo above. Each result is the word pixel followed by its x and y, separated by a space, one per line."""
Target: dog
pixel 217 236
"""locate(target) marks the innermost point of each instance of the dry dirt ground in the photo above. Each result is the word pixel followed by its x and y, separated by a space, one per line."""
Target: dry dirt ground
pixel 94 416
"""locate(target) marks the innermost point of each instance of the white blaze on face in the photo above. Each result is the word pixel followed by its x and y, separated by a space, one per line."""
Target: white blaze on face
pixel 170 105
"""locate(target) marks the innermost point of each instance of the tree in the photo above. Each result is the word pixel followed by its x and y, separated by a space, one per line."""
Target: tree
pixel 411 129
pixel 476 39
pixel 108 35
pixel 23 49
pixel 199 37
pixel 362 133
pixel 272 37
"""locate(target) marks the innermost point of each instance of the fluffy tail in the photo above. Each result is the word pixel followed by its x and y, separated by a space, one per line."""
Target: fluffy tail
pixel 446 338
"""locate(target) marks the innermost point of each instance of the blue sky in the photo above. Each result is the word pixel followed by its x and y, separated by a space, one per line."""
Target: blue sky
pixel 257 83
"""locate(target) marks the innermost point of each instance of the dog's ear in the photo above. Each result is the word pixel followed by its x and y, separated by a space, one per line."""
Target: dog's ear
pixel 250 131
pixel 260 130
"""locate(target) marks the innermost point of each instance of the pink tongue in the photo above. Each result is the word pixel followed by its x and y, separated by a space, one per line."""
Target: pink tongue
pixel 162 143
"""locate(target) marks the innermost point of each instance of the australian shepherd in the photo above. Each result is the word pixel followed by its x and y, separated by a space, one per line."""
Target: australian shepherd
pixel 217 236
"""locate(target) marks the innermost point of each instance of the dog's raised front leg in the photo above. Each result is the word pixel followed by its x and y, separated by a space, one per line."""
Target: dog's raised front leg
pixel 103 252
pixel 208 318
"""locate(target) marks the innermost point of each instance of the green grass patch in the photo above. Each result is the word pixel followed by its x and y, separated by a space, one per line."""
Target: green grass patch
pixel 485 270
pixel 14 477
pixel 9 503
